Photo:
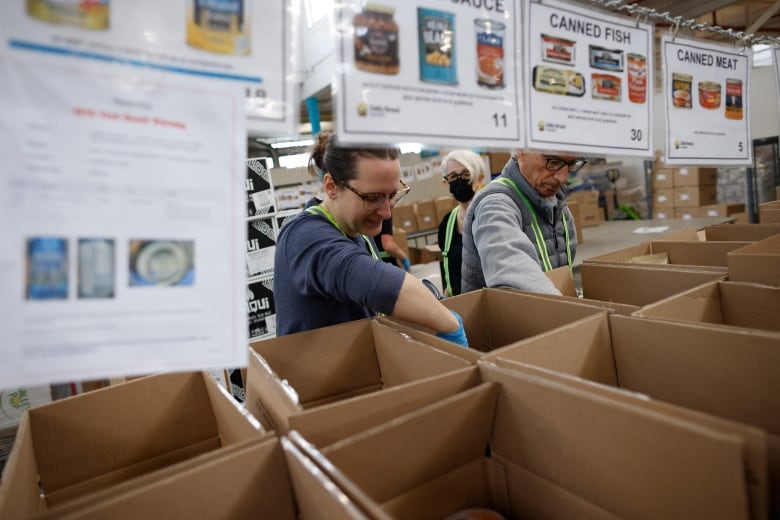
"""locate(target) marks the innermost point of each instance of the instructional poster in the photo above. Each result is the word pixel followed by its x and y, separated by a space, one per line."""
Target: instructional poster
pixel 438 73
pixel 706 98
pixel 590 78
pixel 122 193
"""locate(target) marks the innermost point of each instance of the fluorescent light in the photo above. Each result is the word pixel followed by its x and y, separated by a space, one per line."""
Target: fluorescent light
pixel 292 144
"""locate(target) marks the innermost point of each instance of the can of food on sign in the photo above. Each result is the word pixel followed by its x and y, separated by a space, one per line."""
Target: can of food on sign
pixel 734 103
pixel 637 78
pixel 681 90
pixel 219 26
pixel 490 53
pixel 93 15
pixel 709 94
pixel 376 40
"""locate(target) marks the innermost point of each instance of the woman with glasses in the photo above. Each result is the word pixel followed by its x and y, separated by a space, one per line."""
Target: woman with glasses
pixel 326 267
pixel 464 172
pixel 519 227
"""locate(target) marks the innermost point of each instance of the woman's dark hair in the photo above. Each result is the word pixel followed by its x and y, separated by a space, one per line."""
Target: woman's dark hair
pixel 340 161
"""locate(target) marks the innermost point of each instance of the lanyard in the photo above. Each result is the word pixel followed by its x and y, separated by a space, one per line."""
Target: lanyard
pixel 449 231
pixel 540 245
pixel 314 210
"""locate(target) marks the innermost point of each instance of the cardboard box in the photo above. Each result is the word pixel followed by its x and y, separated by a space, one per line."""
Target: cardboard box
pixel 681 370
pixel 733 304
pixel 769 213
pixel 590 213
pixel 291 374
pixel 663 198
pixel 758 262
pixel 404 217
pixel 721 210
pixel 497 162
pixel 399 235
pixel 494 318
pixel 695 177
pixel 443 206
pixel 639 285
pixel 686 213
pixel 709 255
pixel 740 232
pixel 576 214
pixel 663 213
pixel 425 212
pixel 76 446
pixel 561 277
pixel 530 447
pixel 693 196
pixel 662 178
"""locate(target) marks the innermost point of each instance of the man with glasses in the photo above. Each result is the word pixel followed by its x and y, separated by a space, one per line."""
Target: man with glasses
pixel 518 226
pixel 326 267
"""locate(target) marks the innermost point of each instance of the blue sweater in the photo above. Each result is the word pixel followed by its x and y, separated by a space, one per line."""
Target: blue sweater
pixel 322 277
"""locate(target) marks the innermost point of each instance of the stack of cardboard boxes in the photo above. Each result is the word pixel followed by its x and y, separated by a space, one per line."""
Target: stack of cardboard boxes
pixel 422 219
pixel 689 192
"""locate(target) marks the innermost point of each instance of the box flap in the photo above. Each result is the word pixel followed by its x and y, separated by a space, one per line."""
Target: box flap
pixel 19 492
pixel 562 280
pixel 269 399
pixel 234 423
pixel 430 339
pixel 620 308
pixel 622 458
pixel 696 252
pixel 701 304
pixel 741 232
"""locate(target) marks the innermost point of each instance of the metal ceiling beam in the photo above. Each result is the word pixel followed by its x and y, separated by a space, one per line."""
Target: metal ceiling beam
pixel 764 18
pixel 688 9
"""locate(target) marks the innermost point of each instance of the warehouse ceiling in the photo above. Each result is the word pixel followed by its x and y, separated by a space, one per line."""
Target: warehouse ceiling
pixel 758 17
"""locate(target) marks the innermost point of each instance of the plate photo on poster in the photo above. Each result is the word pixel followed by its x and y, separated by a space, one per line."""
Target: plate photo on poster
pixel 161 263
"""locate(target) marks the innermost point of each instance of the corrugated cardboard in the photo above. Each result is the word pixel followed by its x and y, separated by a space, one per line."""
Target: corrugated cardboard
pixel 99 439
pixel 769 212
pixel 425 212
pixel 576 215
pixel 443 206
pixel 662 178
pixel 290 374
pixel 561 277
pixel 686 213
pixel 249 481
pixel 591 350
pixel 689 176
pixel 663 213
pixel 694 196
pixel 405 218
pixel 530 447
pixel 740 232
pixel 758 262
pixel 663 198
pixel 619 308
pixel 735 304
pixel 721 210
pixel 680 253
pixel 399 235
pixel 590 213
pixel 639 285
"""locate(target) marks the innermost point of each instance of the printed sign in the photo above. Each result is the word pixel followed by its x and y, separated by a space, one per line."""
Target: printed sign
pixel 590 79
pixel 706 100
pixel 444 75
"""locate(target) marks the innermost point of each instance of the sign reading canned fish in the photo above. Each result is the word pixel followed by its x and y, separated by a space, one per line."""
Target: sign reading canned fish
pixel 705 91
pixel 437 46
pixel 597 66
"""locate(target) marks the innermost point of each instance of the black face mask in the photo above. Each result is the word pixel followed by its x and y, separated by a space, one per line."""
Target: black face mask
pixel 461 189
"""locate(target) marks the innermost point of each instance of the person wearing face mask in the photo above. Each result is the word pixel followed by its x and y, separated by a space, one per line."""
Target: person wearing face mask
pixel 326 268
pixel 518 227
pixel 464 172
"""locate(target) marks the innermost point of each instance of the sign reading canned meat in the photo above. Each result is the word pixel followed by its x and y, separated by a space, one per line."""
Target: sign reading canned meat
pixel 437 46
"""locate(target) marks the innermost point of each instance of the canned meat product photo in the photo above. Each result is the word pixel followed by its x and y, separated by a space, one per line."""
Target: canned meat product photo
pixel 681 90
pixel 709 94
pixel 219 26
pixel 734 98
pixel 437 46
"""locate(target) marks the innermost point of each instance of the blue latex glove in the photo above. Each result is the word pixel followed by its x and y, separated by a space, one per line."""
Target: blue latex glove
pixel 407 265
pixel 459 336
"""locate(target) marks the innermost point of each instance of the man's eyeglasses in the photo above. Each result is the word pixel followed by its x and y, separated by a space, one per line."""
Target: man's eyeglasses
pixel 374 201
pixel 454 176
pixel 555 163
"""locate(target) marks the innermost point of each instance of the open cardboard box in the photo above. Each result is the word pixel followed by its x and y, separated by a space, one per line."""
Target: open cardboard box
pixel 638 285
pixel 726 233
pixel 528 446
pixel 711 255
pixel 494 317
pixel 758 262
pixel 291 374
pixel 728 373
pixel 734 304
pixel 75 446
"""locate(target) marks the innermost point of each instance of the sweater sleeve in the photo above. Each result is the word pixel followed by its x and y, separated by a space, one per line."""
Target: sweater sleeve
pixel 507 255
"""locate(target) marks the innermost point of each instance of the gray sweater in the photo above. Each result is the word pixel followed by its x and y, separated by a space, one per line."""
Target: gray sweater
pixel 499 245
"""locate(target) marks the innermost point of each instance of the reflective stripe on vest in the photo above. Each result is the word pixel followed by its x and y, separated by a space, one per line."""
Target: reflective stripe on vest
pixel 319 210
pixel 449 231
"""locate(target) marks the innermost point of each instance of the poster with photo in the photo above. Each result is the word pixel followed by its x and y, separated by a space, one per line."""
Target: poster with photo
pixel 706 103
pixel 590 77
pixel 438 73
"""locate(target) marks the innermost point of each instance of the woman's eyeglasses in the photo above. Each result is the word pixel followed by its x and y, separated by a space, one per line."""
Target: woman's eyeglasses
pixel 555 163
pixel 374 201
pixel 454 176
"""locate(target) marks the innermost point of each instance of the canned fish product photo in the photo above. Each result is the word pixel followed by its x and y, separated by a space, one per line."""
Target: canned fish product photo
pixel 558 50
pixel 637 78
pixel 558 81
pixel 490 53
pixel 219 26
pixel 437 46
pixel 605 59
pixel 709 94
pixel 47 268
pixel 376 40
pixel 734 98
pixel 92 15
pixel 606 86
pixel 681 90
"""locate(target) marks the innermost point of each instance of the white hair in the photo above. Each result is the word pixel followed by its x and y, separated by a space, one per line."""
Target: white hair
pixel 472 161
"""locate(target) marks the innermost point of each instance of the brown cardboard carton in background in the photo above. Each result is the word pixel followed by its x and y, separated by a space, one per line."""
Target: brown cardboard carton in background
pixel 561 277
pixel 576 214
pixel 639 285
pixel 93 441
pixel 425 211
pixel 590 212
pixel 709 255
pixel 721 210
pixel 690 176
pixel 722 303
pixel 663 198
pixel 399 235
pixel 663 213
pixel 694 196
pixel 740 232
pixel 574 467
pixel 662 178
pixel 686 213
pixel 769 212
pixel 404 218
pixel 302 371
pixel 758 262
pixel 443 206
pixel 497 162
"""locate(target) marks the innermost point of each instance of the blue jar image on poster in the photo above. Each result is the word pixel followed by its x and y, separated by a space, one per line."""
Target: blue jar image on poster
pixel 47 268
